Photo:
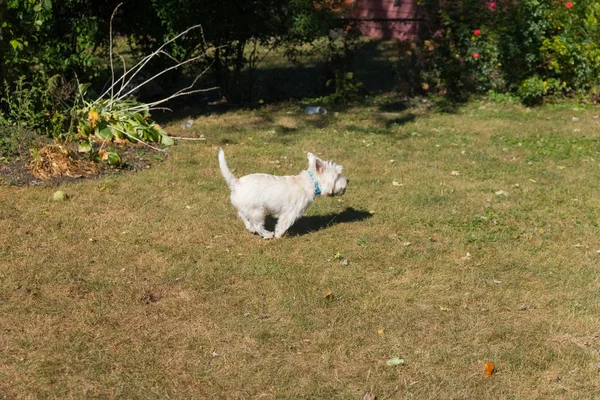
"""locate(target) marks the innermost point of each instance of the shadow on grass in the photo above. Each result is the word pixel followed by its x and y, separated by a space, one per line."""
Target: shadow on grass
pixel 401 120
pixel 395 106
pixel 278 80
pixel 450 104
pixel 314 223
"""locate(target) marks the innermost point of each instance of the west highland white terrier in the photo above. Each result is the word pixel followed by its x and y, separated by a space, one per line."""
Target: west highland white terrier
pixel 284 197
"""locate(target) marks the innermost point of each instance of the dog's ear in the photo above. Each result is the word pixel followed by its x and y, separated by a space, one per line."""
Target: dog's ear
pixel 315 163
pixel 312 160
pixel 339 168
pixel 319 166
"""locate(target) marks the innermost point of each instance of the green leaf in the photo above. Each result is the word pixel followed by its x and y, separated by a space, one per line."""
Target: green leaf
pixel 104 132
pixel 118 130
pixel 16 45
pixel 85 127
pixel 85 147
pixel 167 140
pixel 83 87
pixel 139 118
pixel 54 82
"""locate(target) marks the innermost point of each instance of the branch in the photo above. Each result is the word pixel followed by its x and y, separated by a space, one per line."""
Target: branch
pixel 140 65
pixel 121 96
pixel 112 67
pixel 186 138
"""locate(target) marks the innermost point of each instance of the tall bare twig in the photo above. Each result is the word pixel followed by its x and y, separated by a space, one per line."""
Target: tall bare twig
pixel 142 63
pixel 112 67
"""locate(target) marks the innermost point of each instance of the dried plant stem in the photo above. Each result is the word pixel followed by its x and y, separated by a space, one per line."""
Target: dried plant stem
pixel 186 138
pixel 121 96
pixel 112 67
pixel 141 64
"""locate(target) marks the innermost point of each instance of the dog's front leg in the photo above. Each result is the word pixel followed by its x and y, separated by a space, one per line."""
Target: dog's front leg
pixel 283 224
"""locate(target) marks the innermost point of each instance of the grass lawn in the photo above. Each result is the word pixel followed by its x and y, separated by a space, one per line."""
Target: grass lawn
pixel 470 237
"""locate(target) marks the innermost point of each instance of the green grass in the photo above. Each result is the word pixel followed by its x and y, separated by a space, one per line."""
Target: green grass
pixel 148 286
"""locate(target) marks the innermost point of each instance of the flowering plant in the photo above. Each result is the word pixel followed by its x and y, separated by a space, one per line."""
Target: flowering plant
pixel 571 51
pixel 482 45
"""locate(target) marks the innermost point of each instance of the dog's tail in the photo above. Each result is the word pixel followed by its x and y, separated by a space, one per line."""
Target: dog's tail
pixel 229 178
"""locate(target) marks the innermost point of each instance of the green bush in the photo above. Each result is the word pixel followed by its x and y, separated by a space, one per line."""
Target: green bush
pixel 45 47
pixel 534 89
pixel 572 50
pixel 514 47
pixel 42 109
pixel 42 38
pixel 346 88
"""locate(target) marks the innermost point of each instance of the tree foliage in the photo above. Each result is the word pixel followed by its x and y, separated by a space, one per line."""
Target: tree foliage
pixel 41 38
pixel 235 28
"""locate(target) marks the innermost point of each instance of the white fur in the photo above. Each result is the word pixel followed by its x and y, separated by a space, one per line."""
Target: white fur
pixel 284 197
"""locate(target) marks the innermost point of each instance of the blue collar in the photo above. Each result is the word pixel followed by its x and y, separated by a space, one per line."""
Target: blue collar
pixel 312 178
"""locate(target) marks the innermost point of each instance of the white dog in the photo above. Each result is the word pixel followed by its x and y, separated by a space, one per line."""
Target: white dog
pixel 284 197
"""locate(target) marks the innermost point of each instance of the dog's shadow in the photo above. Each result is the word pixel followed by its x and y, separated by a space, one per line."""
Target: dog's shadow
pixel 314 223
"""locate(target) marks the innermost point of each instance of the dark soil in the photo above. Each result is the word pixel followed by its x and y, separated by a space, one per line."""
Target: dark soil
pixel 16 172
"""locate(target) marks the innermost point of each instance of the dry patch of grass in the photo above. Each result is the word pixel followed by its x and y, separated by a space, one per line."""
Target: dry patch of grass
pixel 469 237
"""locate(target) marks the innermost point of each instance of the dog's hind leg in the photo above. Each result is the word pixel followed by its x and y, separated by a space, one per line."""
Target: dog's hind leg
pixel 255 222
pixel 247 222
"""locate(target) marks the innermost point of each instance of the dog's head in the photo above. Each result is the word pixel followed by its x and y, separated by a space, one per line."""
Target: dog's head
pixel 329 176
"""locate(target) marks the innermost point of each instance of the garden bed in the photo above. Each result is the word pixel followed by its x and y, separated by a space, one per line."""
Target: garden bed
pixel 135 157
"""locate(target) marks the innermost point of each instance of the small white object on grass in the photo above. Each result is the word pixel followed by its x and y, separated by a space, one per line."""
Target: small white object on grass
pixel 392 362
pixel 315 110
pixel 59 195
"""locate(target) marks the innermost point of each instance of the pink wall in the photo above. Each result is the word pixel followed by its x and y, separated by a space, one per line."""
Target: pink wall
pixel 377 18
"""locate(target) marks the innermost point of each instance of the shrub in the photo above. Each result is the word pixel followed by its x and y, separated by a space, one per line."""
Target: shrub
pixel 346 88
pixel 534 89
pixel 42 109
pixel 42 38
pixel 481 45
pixel 572 50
